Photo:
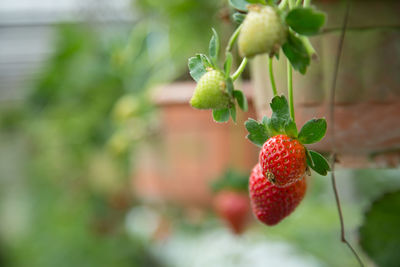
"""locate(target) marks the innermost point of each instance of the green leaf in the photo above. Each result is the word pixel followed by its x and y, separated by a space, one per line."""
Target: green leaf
pixel 196 67
pixel 221 115
pixel 239 4
pixel 280 122
pixel 257 132
pixel 296 52
pixel 229 86
pixel 241 99
pixel 268 125
pixel 313 131
pixel 206 61
pixel 280 114
pixel 214 47
pixel 380 232
pixel 320 165
pixel 291 129
pixel 228 64
pixel 305 21
pixel 265 120
pixel 238 17
pixel 232 110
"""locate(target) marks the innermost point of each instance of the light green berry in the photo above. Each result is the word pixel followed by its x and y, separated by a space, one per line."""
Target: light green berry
pixel 262 31
pixel 210 92
pixel 126 107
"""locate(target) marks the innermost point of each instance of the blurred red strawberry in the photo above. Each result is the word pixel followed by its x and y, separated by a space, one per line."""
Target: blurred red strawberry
pixel 234 208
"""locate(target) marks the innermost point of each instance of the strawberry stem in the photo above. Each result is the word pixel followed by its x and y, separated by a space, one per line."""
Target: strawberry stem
pixel 362 28
pixel 271 77
pixel 282 4
pixel 240 69
pixel 309 47
pixel 290 89
pixel 233 38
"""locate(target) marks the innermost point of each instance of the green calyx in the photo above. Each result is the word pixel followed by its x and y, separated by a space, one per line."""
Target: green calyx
pixel 210 92
pixel 282 123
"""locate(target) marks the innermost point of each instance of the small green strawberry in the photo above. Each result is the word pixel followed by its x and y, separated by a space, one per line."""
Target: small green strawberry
pixel 210 92
pixel 263 31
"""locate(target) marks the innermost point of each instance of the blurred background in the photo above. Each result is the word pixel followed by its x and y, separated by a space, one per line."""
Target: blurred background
pixel 104 163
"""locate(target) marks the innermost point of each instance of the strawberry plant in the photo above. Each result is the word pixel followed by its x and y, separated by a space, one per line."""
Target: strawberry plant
pixel 277 183
pixel 266 27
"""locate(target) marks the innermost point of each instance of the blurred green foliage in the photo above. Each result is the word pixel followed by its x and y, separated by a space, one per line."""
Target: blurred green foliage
pixel 187 24
pixel 83 117
pixel 380 234
pixel 231 179
pixel 78 196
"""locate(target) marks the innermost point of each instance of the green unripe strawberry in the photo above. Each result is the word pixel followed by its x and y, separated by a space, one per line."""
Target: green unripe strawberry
pixel 210 92
pixel 263 31
pixel 126 107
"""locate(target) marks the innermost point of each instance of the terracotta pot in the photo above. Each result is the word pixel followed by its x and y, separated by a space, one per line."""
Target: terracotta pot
pixel 192 151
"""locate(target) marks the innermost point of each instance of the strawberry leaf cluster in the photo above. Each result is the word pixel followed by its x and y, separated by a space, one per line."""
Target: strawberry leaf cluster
pixel 281 123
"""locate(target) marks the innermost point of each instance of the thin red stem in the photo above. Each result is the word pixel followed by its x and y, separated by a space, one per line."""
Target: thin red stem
pixel 332 117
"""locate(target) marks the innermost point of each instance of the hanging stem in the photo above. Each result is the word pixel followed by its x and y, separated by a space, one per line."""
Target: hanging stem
pixel 332 133
pixel 306 3
pixel 342 229
pixel 233 38
pixel 290 89
pixel 271 76
pixel 363 28
pixel 240 69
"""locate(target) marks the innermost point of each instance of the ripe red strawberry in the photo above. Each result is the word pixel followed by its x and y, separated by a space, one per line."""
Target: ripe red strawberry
pixel 283 160
pixel 270 203
pixel 234 208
